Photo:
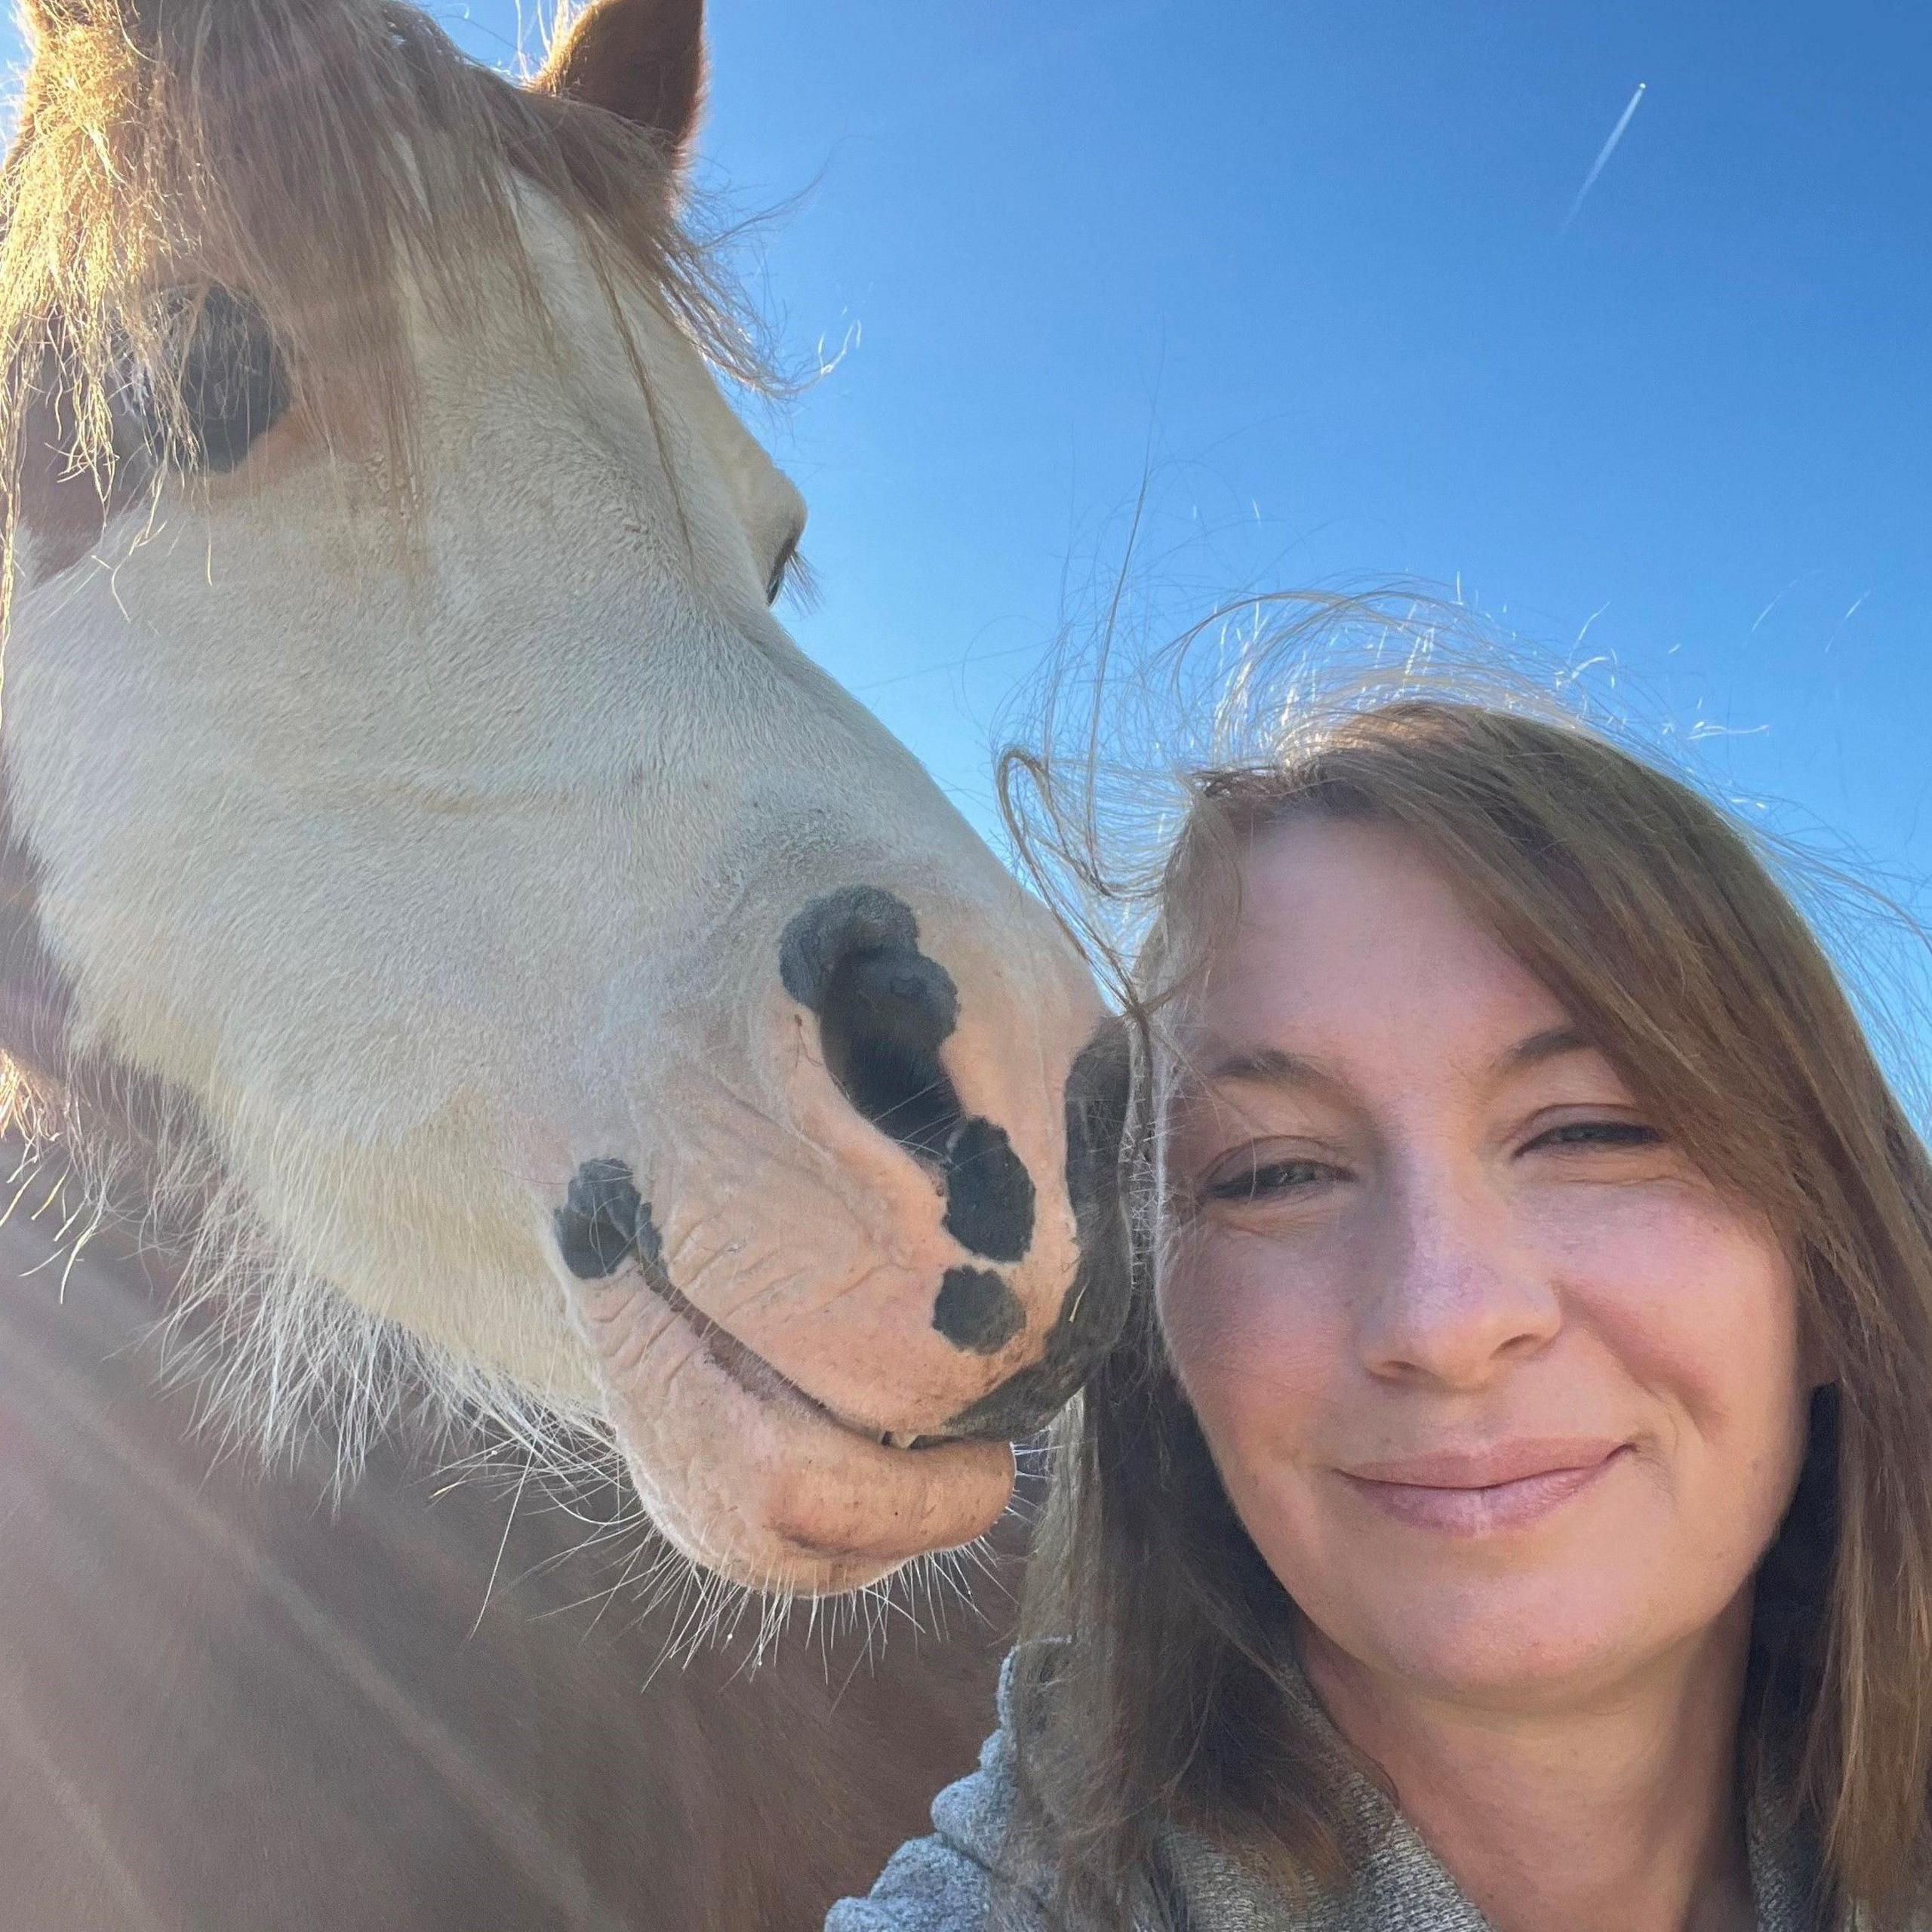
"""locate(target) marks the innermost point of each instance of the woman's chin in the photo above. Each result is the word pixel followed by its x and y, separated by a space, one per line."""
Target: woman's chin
pixel 1512 1644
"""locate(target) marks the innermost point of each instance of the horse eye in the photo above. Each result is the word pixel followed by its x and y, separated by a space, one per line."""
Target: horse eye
pixel 775 584
pixel 233 386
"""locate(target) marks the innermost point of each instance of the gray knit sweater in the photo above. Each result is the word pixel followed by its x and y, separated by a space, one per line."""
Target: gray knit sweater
pixel 954 1881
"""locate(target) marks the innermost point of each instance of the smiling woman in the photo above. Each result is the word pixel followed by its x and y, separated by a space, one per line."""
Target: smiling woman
pixel 1511 1505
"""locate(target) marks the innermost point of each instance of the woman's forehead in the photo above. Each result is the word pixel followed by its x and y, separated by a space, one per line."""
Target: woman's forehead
pixel 1352 944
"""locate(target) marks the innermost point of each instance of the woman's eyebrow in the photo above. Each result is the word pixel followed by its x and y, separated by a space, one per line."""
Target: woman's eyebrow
pixel 1275 1066
pixel 1267 1066
pixel 1551 1043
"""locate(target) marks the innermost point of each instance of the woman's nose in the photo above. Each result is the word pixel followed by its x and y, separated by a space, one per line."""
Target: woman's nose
pixel 1458 1298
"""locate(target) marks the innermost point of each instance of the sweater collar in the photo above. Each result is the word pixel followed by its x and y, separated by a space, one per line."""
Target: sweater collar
pixel 1400 1886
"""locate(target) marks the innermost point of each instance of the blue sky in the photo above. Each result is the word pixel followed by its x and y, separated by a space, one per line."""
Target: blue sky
pixel 1306 259
pixel 1301 263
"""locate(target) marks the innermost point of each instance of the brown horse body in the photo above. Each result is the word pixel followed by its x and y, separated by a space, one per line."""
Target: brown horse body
pixel 226 1707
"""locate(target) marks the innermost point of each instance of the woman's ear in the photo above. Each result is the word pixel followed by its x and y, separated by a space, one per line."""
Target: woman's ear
pixel 643 60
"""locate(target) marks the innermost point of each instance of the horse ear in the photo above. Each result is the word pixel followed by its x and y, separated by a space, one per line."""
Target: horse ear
pixel 642 59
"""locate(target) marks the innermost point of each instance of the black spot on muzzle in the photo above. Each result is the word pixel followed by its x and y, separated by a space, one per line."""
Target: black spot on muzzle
pixel 989 1192
pixel 1095 1310
pixel 885 1010
pixel 603 1222
pixel 976 1311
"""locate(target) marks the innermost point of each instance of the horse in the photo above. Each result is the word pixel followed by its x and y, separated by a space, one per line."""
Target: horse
pixel 439 900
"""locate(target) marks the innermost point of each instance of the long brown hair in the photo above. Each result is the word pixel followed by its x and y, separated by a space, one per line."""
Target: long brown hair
pixel 1663 929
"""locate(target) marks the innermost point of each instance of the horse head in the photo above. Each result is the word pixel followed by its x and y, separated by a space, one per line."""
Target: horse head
pixel 427 848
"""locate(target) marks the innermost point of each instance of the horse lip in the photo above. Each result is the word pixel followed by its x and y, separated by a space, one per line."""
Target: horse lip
pixel 847 1504
pixel 755 1376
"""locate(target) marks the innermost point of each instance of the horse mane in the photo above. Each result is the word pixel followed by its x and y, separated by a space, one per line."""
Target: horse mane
pixel 317 157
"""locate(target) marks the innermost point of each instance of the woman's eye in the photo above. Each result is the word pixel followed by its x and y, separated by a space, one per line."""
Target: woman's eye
pixel 1269 1179
pixel 1585 1134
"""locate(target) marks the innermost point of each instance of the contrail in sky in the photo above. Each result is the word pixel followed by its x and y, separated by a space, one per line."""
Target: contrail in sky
pixel 1609 148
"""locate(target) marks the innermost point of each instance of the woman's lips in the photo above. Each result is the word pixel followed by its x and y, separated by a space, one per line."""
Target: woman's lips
pixel 1481 1493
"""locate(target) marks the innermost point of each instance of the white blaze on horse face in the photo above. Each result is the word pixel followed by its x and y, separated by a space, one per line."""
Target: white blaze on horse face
pixel 432 880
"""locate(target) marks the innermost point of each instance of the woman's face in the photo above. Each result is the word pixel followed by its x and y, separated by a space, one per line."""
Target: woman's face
pixel 1509 1396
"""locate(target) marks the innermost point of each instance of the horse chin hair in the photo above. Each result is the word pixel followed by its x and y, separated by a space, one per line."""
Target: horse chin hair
pixel 282 1367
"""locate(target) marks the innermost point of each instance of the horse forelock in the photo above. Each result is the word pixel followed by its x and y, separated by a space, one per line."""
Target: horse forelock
pixel 332 163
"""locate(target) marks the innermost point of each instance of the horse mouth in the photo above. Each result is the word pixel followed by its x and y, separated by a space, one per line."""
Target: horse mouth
pixel 755 1477
pixel 756 1377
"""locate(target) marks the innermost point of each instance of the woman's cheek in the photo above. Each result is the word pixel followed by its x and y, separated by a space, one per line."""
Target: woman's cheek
pixel 1689 1295
pixel 1248 1333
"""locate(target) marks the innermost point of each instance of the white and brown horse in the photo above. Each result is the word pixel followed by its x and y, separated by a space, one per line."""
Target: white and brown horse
pixel 514 967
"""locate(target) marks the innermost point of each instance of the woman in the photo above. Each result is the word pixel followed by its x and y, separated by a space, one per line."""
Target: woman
pixel 1512 1506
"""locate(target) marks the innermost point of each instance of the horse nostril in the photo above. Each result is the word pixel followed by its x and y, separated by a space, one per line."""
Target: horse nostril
pixel 884 1011
pixel 883 1018
pixel 901 997
pixel 831 931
